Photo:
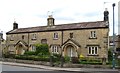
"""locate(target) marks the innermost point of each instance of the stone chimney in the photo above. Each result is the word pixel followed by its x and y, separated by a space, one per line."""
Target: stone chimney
pixel 50 20
pixel 106 15
pixel 15 25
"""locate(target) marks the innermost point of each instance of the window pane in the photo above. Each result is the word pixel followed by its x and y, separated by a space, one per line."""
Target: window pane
pixel 89 50
pixel 52 48
pixel 57 48
pixel 92 51
pixel 91 34
pixel 34 36
pixel 94 34
pixel 44 41
pixel 55 36
pixel 96 50
pixel 33 48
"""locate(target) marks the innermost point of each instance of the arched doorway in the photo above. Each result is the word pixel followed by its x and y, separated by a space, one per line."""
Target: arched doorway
pixel 20 50
pixel 20 47
pixel 71 51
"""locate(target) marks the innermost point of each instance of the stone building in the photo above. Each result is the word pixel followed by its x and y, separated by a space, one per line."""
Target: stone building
pixel 1 43
pixel 89 39
pixel 1 37
pixel 119 17
pixel 117 43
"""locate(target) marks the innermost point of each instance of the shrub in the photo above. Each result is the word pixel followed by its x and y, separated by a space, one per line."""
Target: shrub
pixel 42 49
pixel 109 55
pixel 119 62
pixel 6 55
pixel 67 59
pixel 75 60
pixel 29 53
pixel 93 61
pixel 35 58
pixel 56 57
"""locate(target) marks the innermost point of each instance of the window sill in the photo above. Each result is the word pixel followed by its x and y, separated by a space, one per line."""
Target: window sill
pixel 92 55
pixel 33 39
pixel 11 40
pixel 55 38
pixel 55 53
pixel 92 37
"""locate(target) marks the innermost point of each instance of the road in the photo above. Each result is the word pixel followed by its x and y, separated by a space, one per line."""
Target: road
pixel 19 69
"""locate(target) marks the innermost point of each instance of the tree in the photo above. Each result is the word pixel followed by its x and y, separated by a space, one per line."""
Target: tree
pixel 42 49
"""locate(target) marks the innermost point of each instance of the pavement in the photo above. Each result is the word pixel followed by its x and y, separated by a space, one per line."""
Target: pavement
pixel 57 68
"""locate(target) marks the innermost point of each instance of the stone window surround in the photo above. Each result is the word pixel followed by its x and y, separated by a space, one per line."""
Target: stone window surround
pixel 34 36
pixel 55 35
pixel 44 41
pixel 93 50
pixel 33 48
pixel 92 35
pixel 55 49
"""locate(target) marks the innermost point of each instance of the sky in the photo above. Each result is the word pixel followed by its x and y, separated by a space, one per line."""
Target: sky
pixel 31 13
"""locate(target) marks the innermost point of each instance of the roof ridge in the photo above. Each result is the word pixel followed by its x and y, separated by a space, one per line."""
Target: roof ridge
pixel 63 24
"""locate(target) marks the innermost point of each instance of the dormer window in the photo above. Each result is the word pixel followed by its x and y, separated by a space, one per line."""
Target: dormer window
pixel 55 36
pixel 34 37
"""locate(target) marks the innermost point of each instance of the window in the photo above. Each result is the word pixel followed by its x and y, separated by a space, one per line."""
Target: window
pixel 33 48
pixel 111 43
pixel 11 38
pixel 22 36
pixel 93 50
pixel 93 34
pixel 55 36
pixel 34 37
pixel 44 41
pixel 71 35
pixel 54 49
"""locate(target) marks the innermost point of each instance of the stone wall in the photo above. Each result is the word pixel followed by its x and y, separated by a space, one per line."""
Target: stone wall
pixel 79 36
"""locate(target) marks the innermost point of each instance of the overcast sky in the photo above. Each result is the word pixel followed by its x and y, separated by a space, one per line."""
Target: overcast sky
pixel 31 13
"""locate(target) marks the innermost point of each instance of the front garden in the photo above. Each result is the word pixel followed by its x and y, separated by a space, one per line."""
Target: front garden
pixel 42 54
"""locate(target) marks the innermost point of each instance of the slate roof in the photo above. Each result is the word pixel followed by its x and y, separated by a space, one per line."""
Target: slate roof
pixel 71 26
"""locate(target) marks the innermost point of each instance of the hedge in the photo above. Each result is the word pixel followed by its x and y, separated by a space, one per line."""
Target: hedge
pixel 35 58
pixel 29 53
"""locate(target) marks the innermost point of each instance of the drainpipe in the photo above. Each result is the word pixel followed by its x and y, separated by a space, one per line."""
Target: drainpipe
pixel 28 41
pixel 62 58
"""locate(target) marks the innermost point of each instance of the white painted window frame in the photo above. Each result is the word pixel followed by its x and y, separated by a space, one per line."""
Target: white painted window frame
pixel 92 50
